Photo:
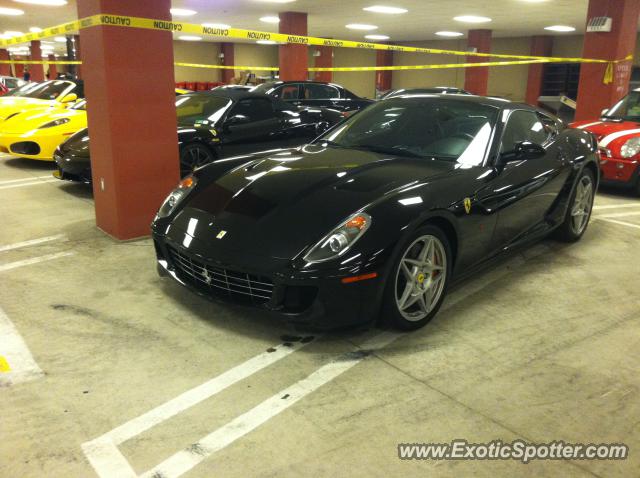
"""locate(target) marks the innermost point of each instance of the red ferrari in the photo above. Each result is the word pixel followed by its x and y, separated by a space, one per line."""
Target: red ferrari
pixel 618 133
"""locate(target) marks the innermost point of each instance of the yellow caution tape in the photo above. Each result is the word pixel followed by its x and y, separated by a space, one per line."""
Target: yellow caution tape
pixel 4 365
pixel 182 27
pixel 608 74
pixel 224 67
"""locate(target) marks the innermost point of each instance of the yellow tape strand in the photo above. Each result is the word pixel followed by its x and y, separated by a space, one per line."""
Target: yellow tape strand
pixel 171 26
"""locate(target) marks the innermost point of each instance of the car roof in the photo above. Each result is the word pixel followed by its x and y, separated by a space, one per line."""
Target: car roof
pixel 487 100
pixel 231 93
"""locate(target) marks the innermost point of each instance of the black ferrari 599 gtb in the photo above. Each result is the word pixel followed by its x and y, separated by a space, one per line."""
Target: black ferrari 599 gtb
pixel 377 217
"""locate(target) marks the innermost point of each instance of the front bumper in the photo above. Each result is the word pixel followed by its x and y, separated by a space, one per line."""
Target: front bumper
pixel 618 170
pixel 72 168
pixel 317 300
pixel 40 147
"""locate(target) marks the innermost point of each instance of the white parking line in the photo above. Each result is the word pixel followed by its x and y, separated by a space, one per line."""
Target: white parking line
pixel 103 453
pixel 31 178
pixel 31 242
pixel 18 364
pixel 183 461
pixel 34 183
pixel 34 260
pixel 616 206
pixel 621 223
pixel 621 214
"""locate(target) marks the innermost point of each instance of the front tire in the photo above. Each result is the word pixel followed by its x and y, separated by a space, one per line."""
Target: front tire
pixel 579 210
pixel 193 156
pixel 418 280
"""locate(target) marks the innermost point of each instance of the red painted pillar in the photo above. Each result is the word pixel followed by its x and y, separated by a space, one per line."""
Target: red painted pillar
pixel 229 60
pixel 293 57
pixel 477 78
pixel 53 69
pixel 593 94
pixel 323 58
pixel 384 78
pixel 37 71
pixel 131 115
pixel 78 55
pixel 5 68
pixel 541 45
pixel 19 67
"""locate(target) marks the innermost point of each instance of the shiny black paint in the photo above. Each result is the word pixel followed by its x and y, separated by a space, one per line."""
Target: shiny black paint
pixel 276 206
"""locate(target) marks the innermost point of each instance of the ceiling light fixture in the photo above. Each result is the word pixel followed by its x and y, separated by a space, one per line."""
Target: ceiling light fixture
pixel 472 19
pixel 383 9
pixel 9 34
pixel 189 38
pixel 35 29
pixel 275 1
pixel 11 11
pixel 449 34
pixel 266 42
pixel 270 19
pixel 560 28
pixel 45 3
pixel 361 26
pixel 376 37
pixel 61 39
pixel 182 12
pixel 220 26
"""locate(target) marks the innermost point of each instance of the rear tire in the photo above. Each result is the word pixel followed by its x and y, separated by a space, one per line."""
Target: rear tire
pixel 579 210
pixel 418 280
pixel 193 156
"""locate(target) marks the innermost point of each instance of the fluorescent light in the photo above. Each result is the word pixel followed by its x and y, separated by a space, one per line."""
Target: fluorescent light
pixel 560 28
pixel 47 3
pixel 182 12
pixel 266 42
pixel 270 19
pixel 376 37
pixel 9 34
pixel 189 38
pixel 383 9
pixel 61 39
pixel 220 26
pixel 361 26
pixel 11 11
pixel 449 34
pixel 472 19
pixel 275 1
pixel 35 29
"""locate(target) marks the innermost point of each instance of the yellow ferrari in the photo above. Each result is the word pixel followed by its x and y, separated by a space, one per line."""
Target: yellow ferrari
pixel 37 133
pixel 34 96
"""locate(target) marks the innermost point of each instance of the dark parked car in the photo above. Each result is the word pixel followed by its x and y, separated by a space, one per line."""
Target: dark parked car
pixel 218 124
pixel 382 212
pixel 314 93
pixel 442 90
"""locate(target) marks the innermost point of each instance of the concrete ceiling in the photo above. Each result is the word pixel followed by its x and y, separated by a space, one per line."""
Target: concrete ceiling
pixel 327 18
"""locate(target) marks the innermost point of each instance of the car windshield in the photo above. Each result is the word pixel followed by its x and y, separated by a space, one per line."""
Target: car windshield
pixel 628 108
pixel 80 105
pixel 421 127
pixel 195 109
pixel 49 90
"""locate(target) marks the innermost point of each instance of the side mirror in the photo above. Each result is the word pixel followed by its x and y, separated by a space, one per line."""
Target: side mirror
pixel 236 120
pixel 70 98
pixel 524 150
pixel 604 112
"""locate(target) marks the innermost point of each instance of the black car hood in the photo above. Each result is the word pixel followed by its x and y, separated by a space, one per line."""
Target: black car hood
pixel 280 203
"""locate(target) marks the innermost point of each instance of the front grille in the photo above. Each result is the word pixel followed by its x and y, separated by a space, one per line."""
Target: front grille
pixel 25 147
pixel 219 281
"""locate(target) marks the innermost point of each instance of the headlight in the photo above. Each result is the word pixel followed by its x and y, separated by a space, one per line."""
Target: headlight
pixel 340 240
pixel 53 123
pixel 630 148
pixel 177 195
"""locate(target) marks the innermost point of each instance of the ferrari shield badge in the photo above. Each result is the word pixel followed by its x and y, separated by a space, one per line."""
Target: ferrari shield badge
pixel 221 234
pixel 467 205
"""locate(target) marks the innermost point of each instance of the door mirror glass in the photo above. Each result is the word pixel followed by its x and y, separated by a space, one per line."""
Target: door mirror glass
pixel 524 150
pixel 70 98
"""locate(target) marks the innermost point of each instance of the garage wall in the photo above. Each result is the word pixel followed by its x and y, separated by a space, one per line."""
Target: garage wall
pixel 362 83
pixel 509 82
pixel 196 52
pixel 252 54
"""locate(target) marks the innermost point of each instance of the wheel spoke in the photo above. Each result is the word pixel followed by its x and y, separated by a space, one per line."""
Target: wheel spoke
pixel 405 295
pixel 408 274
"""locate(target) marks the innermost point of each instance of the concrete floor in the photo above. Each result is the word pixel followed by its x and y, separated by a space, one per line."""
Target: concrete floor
pixel 543 347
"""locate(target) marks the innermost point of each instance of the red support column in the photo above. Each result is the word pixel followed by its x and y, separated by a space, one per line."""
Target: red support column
pixel 5 68
pixel 228 51
pixel 76 43
pixel 593 94
pixel 37 71
pixel 541 45
pixel 323 58
pixel 384 78
pixel 477 78
pixel 53 69
pixel 293 57
pixel 131 115
pixel 18 68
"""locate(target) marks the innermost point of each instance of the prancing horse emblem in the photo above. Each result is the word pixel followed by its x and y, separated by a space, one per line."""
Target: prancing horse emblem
pixel 206 277
pixel 467 205
pixel 221 234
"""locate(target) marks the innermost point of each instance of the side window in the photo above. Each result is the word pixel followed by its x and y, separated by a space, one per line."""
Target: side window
pixel 315 91
pixel 255 109
pixel 523 126
pixel 287 92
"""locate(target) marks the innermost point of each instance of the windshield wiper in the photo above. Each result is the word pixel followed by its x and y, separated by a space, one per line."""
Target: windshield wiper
pixel 387 150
